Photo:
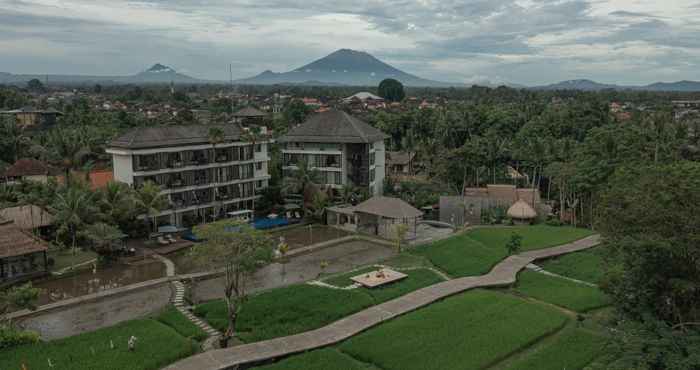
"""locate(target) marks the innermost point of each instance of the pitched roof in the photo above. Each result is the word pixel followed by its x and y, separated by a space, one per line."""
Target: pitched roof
pixel 387 207
pixel 363 95
pixel 28 167
pixel 163 136
pixel 14 242
pixel 249 112
pixel 27 217
pixel 334 126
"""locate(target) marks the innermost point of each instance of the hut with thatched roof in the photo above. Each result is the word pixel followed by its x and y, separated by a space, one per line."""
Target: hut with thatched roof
pixel 522 212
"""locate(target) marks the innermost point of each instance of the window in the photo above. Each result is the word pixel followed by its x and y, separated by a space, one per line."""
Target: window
pixel 258 148
pixel 372 157
pixel 259 184
pixel 371 175
pixel 258 166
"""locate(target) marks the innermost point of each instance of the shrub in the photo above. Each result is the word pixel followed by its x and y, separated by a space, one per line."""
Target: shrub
pixel 10 337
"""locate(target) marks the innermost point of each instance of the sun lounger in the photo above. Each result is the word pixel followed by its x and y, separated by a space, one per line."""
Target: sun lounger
pixel 289 215
pixel 170 238
pixel 162 241
pixel 296 214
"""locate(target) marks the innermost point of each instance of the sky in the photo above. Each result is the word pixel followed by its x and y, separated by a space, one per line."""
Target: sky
pixel 530 42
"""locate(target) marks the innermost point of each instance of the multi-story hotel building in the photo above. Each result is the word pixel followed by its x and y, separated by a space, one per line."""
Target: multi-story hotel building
pixel 342 148
pixel 202 180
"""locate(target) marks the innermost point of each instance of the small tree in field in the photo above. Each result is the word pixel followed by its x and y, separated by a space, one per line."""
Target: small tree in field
pixel 241 250
pixel 514 244
pixel 400 231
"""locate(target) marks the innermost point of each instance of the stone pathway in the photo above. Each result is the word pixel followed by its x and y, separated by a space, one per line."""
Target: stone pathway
pixel 504 273
pixel 178 300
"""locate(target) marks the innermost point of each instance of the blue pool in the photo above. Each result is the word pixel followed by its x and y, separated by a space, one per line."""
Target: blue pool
pixel 260 224
pixel 269 223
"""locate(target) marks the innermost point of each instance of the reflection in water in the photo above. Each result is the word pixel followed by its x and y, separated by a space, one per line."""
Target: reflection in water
pixel 96 280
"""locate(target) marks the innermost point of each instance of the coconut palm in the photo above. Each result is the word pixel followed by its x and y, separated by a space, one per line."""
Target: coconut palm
pixel 300 178
pixel 74 208
pixel 13 137
pixel 68 149
pixel 150 200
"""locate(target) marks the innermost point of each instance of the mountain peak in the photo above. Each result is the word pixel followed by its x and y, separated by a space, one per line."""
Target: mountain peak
pixel 159 68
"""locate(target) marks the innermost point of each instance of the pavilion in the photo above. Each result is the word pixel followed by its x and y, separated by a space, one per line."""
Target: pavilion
pixel 379 216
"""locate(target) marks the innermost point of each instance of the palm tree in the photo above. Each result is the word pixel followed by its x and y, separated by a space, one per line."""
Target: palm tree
pixel 68 149
pixel 300 178
pixel 116 201
pixel 151 201
pixel 74 207
pixel 13 137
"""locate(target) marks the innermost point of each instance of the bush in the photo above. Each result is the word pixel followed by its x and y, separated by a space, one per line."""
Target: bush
pixel 554 222
pixel 10 337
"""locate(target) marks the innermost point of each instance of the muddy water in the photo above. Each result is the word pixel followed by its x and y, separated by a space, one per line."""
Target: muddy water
pixel 93 281
pixel 303 236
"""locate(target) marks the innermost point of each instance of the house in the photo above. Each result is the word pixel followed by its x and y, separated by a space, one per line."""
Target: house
pixel 27 169
pixel 343 149
pixel 378 216
pixel 249 116
pixel 33 118
pixel 202 180
pixel 22 256
pixel 363 96
pixel 400 163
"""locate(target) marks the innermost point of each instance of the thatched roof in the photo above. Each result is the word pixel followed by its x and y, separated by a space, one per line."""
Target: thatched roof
pixel 14 242
pixel 333 126
pixel 522 211
pixel 27 217
pixel 388 207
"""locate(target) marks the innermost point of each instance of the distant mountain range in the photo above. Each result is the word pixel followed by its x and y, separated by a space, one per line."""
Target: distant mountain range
pixel 343 67
pixel 157 74
pixel 588 85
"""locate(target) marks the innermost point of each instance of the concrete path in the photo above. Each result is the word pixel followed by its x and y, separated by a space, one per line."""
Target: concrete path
pixel 504 273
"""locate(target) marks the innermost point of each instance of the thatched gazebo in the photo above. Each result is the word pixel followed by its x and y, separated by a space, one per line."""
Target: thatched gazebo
pixel 522 212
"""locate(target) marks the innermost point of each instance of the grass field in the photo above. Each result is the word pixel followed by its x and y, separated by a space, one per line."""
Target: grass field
pixel 157 346
pixel 534 237
pixel 65 258
pixel 174 319
pixel 585 265
pixel 322 359
pixel 561 292
pixel 468 331
pixel 573 350
pixel 477 251
pixel 299 308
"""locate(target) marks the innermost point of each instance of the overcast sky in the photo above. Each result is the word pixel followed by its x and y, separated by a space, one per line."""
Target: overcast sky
pixel 528 42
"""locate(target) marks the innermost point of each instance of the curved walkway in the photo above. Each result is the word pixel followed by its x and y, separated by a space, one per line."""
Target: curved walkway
pixel 502 274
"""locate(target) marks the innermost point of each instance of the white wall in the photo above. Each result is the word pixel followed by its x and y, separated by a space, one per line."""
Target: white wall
pixel 380 167
pixel 123 168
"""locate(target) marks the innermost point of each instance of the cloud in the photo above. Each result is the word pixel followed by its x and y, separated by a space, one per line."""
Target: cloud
pixel 524 41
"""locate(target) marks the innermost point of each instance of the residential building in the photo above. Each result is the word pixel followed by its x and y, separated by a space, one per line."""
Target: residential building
pixel 342 148
pixel 27 169
pixel 400 163
pixel 203 180
pixel 34 119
